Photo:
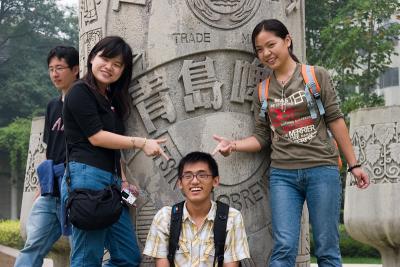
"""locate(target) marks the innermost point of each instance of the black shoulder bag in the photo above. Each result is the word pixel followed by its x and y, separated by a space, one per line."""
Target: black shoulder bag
pixel 92 209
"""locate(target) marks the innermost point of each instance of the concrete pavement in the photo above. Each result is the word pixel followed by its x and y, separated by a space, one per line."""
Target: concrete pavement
pixel 353 265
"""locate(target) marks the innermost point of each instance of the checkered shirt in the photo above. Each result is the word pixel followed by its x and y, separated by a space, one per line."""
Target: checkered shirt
pixel 196 247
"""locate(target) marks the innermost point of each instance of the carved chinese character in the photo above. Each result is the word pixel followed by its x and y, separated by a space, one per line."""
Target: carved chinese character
pixel 202 89
pixel 292 6
pixel 116 3
pixel 169 168
pixel 245 79
pixel 88 11
pixel 151 98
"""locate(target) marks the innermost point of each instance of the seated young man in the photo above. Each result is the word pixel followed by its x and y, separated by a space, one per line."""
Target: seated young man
pixel 198 175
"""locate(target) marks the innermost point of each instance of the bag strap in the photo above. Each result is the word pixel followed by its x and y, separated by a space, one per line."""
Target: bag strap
pixel 220 221
pixel 263 88
pixel 67 173
pixel 312 86
pixel 174 231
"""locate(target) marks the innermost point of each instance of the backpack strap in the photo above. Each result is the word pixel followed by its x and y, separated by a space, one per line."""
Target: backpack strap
pixel 263 88
pixel 174 231
pixel 220 221
pixel 312 86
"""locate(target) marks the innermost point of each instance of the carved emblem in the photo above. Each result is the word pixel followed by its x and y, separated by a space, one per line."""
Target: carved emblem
pixel 224 14
pixel 377 147
pixel 36 154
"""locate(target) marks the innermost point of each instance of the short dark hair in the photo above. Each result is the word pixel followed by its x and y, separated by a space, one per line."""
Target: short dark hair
pixel 275 26
pixel 195 157
pixel 68 53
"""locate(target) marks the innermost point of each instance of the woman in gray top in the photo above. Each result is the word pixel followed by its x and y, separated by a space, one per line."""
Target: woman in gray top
pixel 296 122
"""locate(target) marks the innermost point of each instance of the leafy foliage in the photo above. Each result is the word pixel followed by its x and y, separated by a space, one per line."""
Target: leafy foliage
pixel 9 234
pixel 364 41
pixel 15 139
pixel 350 247
pixel 355 39
pixel 28 30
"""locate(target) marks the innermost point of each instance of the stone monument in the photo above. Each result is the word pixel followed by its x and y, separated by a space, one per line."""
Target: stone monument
pixel 372 216
pixel 194 76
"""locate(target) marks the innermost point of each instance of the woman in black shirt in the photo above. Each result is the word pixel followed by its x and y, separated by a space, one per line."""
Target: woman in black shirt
pixel 94 110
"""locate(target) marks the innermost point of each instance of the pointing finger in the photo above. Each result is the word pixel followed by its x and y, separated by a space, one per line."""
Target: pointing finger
pixel 216 149
pixel 218 138
pixel 160 141
pixel 163 154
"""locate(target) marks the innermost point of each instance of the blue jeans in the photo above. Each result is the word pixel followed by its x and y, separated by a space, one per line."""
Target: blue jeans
pixel 43 229
pixel 119 238
pixel 321 188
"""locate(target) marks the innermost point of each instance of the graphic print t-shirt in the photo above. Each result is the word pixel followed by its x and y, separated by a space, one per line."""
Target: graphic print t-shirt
pixel 53 134
pixel 297 140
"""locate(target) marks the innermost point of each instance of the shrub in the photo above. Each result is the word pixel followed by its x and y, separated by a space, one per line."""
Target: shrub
pixel 9 234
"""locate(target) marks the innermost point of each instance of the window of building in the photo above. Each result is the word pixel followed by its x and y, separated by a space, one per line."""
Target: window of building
pixel 389 78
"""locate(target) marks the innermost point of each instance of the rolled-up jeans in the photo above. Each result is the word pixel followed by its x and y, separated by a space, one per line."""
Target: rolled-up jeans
pixel 321 188
pixel 119 238
pixel 43 229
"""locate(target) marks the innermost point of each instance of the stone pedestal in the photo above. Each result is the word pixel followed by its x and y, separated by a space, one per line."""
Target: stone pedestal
pixel 36 154
pixel 372 216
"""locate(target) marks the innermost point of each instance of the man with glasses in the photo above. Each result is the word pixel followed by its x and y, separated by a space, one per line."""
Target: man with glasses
pixel 198 176
pixel 46 224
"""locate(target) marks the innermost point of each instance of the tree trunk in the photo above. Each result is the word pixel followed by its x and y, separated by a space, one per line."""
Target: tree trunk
pixel 14 192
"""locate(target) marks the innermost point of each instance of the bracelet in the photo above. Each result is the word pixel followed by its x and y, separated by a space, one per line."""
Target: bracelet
pixel 144 143
pixel 357 165
pixel 234 148
pixel 133 142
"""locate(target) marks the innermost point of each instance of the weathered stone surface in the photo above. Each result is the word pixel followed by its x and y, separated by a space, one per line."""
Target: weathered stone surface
pixel 36 154
pixel 372 216
pixel 194 75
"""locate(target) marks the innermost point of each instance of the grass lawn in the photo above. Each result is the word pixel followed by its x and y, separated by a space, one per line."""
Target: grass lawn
pixel 355 260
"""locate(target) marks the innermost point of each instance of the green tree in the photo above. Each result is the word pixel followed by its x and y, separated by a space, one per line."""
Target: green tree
pixel 318 16
pixel 355 39
pixel 15 139
pixel 28 30
pixel 363 43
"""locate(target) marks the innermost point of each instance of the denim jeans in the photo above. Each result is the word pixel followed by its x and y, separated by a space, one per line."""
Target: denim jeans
pixel 119 238
pixel 321 188
pixel 43 229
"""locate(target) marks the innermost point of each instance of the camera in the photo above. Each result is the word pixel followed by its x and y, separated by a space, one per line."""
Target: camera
pixel 128 197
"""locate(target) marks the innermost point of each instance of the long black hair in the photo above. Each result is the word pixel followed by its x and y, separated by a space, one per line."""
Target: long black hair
pixel 110 47
pixel 276 27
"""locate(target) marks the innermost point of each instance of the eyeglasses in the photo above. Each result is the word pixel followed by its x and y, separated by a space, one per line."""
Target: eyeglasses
pixel 57 69
pixel 201 176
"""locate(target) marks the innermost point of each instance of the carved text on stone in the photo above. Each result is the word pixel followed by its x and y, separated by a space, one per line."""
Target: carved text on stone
pixel 202 89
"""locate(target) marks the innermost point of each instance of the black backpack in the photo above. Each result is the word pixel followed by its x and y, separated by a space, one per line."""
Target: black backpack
pixel 221 218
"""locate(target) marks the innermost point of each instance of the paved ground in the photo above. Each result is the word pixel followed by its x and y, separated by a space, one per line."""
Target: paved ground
pixel 353 265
